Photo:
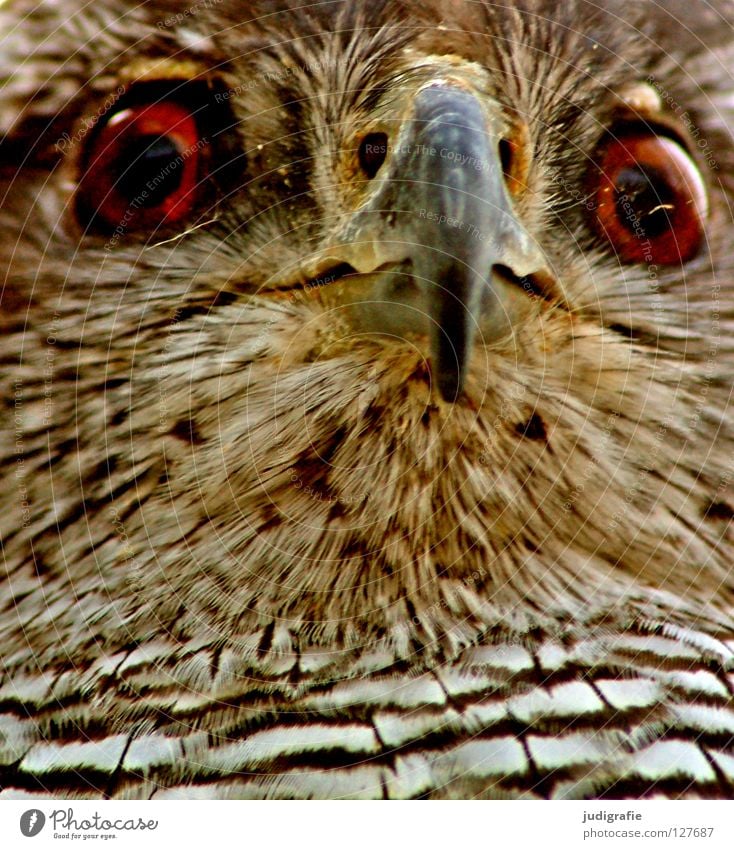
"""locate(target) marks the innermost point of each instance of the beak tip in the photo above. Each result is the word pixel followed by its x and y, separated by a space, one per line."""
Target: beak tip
pixel 450 385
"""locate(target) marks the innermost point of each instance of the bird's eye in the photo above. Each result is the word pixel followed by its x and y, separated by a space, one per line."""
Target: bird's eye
pixel 651 202
pixel 142 168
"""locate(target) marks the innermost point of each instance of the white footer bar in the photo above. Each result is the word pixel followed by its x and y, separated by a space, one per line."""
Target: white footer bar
pixel 36 822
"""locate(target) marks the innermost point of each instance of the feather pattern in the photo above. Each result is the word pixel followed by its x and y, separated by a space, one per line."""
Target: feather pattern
pixel 247 551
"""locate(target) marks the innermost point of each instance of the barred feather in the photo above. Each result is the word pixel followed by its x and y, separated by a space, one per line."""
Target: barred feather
pixel 247 551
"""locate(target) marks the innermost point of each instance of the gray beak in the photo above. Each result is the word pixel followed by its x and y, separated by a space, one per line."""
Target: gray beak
pixel 441 207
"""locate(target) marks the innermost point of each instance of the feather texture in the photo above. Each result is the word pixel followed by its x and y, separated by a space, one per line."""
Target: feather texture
pixel 247 550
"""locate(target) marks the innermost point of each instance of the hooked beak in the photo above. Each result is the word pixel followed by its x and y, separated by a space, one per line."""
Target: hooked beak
pixel 441 208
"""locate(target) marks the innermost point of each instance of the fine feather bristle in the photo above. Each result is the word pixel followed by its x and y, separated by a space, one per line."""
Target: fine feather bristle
pixel 249 550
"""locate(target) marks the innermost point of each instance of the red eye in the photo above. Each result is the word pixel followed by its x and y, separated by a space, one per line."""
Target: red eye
pixel 143 168
pixel 651 202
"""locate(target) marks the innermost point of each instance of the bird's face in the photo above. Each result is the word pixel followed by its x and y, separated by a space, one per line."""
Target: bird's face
pixel 368 319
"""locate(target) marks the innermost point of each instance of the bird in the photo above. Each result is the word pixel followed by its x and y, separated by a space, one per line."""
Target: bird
pixel 367 400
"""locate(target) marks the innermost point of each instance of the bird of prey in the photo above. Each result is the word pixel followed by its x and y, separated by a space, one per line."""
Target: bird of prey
pixel 367 399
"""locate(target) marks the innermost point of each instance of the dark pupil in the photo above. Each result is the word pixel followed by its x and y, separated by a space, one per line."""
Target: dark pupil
pixel 149 170
pixel 645 203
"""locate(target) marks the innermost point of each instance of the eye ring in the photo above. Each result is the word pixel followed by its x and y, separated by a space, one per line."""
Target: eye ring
pixel 650 199
pixel 142 168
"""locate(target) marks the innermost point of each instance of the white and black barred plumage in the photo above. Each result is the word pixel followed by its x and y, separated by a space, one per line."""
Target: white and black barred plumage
pixel 250 547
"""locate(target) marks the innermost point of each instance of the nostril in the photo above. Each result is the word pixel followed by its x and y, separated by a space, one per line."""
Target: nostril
pixel 516 157
pixel 372 153
pixel 507 153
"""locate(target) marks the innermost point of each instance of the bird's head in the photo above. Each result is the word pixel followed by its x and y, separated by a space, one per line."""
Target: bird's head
pixel 379 320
